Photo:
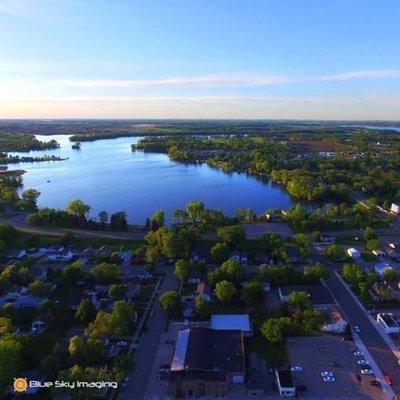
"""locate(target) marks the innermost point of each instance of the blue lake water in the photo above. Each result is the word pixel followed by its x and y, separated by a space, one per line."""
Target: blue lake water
pixel 108 176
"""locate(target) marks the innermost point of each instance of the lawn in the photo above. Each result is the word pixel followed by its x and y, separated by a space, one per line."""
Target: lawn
pixel 272 353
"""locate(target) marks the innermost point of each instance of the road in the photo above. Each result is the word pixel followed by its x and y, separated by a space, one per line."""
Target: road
pixel 18 222
pixel 373 341
pixel 148 345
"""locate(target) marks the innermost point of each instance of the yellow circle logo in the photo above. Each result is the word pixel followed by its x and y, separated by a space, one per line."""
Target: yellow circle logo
pixel 20 385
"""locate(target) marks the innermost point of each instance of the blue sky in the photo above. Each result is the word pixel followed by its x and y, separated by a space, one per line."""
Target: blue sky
pixel 328 59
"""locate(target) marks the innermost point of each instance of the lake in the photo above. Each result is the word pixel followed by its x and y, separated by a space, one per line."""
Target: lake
pixel 108 176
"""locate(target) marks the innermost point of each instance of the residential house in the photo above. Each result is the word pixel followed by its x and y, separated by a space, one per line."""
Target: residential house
pixel 19 300
pixel 395 208
pixel 197 373
pixel 335 322
pixel 391 250
pixel 318 294
pixel 38 327
pixel 388 322
pixel 353 252
pixel 382 291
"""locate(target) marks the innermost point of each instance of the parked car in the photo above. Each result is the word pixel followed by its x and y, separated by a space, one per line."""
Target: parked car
pixel 367 371
pixel 329 379
pixel 296 368
pixel 374 383
pixel 122 343
pixel 358 353
pixel 326 373
pixel 356 329
pixel 362 361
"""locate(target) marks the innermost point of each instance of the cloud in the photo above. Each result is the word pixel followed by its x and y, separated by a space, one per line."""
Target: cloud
pixel 210 81
pixel 222 81
pixel 347 76
pixel 13 7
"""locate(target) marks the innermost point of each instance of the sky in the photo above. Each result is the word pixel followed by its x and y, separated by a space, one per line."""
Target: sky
pixel 256 59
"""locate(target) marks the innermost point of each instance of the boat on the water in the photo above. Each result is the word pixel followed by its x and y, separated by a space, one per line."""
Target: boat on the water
pixel 76 146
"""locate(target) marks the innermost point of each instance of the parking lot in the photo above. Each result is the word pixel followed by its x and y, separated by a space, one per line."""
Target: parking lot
pixel 329 354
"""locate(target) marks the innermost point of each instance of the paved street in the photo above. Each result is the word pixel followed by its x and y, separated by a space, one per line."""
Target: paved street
pixel 377 347
pixel 148 345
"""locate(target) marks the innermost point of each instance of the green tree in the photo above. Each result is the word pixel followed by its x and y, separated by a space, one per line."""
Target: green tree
pixel 86 312
pixel 275 329
pixel 369 233
pixel 10 361
pixel 171 303
pixel 118 221
pixel 253 292
pixel 116 290
pixel 5 326
pixel 77 349
pixel 106 273
pixel 225 291
pixel 40 288
pixel 233 235
pixel 316 272
pixel 304 243
pixel 78 208
pixel 373 244
pixel 183 270
pixel 72 273
pixel 203 308
pixel 220 252
pixel 353 273
pixel 195 211
pixel 157 220
pixel 333 252
pixel 300 300
pixel 103 217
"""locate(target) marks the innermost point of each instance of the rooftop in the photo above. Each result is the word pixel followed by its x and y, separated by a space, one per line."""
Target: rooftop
pixel 225 350
pixel 236 322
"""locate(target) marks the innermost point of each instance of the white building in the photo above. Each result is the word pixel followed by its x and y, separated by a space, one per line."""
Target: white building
pixel 395 208
pixel 388 322
pixel 353 252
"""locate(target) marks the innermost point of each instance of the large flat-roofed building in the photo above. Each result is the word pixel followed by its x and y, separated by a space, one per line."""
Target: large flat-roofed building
pixel 206 362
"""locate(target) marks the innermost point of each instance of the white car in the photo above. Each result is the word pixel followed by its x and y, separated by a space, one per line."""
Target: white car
pixel 328 379
pixel 356 329
pixel 358 353
pixel 367 371
pixel 362 361
pixel 122 343
pixel 296 368
pixel 326 373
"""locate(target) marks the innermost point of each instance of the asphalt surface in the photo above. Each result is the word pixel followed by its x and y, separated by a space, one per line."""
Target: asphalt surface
pixel 372 340
pixel 148 345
